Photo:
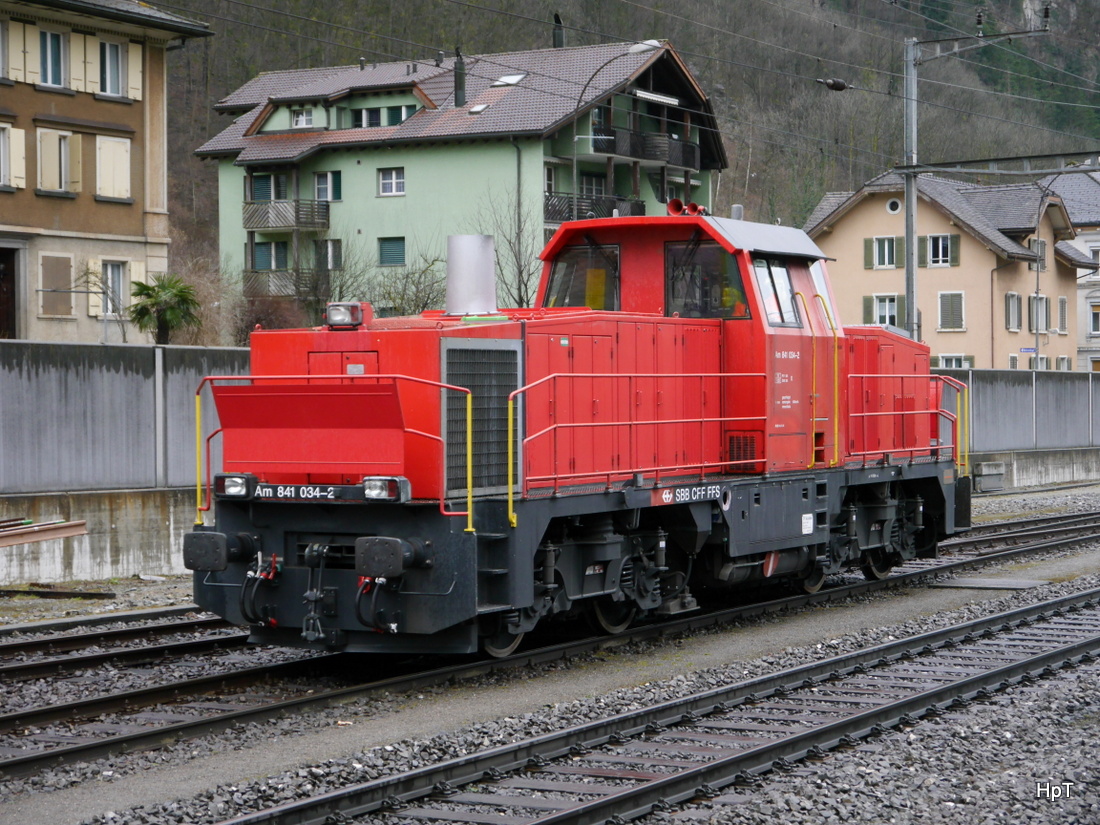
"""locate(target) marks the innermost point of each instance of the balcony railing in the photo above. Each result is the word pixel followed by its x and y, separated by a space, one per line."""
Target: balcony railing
pixel 667 149
pixel 295 214
pixel 558 206
pixel 287 283
pixel 623 142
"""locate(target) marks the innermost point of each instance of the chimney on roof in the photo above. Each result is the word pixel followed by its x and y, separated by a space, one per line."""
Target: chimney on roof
pixel 460 80
pixel 362 63
pixel 439 58
pixel 559 32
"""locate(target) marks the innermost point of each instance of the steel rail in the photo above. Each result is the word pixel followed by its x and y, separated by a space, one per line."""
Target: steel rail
pixel 393 791
pixel 57 644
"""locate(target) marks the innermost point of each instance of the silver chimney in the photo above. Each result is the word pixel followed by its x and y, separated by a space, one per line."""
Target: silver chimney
pixel 471 275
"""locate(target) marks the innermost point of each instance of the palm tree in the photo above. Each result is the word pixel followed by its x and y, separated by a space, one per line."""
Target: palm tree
pixel 163 305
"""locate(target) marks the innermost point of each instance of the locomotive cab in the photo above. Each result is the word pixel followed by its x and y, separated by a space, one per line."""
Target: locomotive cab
pixel 680 414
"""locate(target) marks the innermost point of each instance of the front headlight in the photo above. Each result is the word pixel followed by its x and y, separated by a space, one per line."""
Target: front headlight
pixel 343 316
pixel 387 488
pixel 230 485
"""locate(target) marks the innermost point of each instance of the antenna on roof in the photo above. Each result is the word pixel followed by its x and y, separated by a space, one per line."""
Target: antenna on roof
pixel 559 32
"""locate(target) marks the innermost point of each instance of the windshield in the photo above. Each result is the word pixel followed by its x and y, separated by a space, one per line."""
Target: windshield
pixel 585 276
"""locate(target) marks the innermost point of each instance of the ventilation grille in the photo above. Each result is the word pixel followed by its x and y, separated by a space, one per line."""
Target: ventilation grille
pixel 491 375
pixel 744 447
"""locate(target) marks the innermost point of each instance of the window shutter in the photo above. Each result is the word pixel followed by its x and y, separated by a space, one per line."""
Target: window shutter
pixel 969 361
pixel 933 361
pixel 281 261
pixel 337 254
pixel 76 161
pixel 336 187
pixel 868 309
pixel 1063 314
pixel 14 53
pixel 951 315
pixel 95 286
pixel 92 64
pixel 391 251
pixel 868 253
pixel 32 53
pixel 922 250
pixel 262 256
pixel 902 317
pixel 137 276
pixel 77 62
pixel 17 147
pixel 134 72
pixel 1010 299
pixel 280 187
pixel 261 187
pixel 899 251
pixel 956 243
pixel 1030 312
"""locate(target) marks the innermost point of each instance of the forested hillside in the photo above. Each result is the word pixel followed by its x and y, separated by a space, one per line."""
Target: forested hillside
pixel 788 138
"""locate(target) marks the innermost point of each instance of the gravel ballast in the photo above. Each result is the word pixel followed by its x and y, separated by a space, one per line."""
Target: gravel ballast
pixel 951 767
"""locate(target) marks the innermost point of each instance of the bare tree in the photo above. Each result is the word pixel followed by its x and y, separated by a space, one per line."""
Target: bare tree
pixel 92 282
pixel 411 289
pixel 517 230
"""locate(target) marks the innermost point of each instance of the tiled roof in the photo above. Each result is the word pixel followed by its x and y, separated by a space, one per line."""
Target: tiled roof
pixel 1074 256
pixel 991 213
pixel 548 96
pixel 130 11
pixel 1080 192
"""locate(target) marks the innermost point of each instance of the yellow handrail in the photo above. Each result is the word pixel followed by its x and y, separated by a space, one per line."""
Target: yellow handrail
pixel 836 381
pixel 198 458
pixel 813 378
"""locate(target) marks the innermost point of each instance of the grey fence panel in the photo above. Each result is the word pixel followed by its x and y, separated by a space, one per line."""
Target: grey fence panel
pixel 1061 409
pixel 1002 410
pixel 184 369
pixel 76 417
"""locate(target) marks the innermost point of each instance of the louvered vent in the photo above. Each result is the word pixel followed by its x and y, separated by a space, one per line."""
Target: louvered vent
pixel 744 447
pixel 491 375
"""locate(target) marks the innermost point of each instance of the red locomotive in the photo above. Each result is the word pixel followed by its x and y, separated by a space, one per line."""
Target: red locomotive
pixel 681 413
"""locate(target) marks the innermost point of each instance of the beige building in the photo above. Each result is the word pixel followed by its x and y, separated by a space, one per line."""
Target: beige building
pixel 996 277
pixel 83 162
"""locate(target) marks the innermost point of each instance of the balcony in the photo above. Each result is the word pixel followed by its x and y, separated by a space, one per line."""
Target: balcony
pixel 558 206
pixel 666 149
pixel 621 142
pixel 286 283
pixel 294 214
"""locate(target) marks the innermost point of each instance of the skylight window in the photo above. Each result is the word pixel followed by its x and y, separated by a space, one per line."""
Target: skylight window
pixel 509 79
pixel 479 108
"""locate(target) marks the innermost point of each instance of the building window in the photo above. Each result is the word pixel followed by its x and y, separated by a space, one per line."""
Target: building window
pixel 1014 308
pixel 269 187
pixel 953 362
pixel 52 51
pixel 1038 313
pixel 391 181
pixel 57 286
pixel 1094 319
pixel 886 309
pixel 327 186
pixel 884 253
pixel 1063 315
pixel 592 186
pixel 110 68
pixel 270 255
pixel 1039 247
pixel 5 153
pixel 951 311
pixel 1063 363
pixel 549 180
pixel 112 167
pixel 1013 361
pixel 1040 363
pixel 939 250
pixel 328 254
pixel 113 276
pixel 369 118
pixel 391 251
pixel 301 118
pixel 58 161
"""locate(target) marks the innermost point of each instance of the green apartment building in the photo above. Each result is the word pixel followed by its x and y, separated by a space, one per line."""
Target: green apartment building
pixel 337 183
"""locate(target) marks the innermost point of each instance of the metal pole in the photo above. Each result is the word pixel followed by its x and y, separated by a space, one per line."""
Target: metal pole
pixel 912 53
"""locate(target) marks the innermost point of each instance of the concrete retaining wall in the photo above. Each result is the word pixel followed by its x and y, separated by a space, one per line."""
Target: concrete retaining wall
pixel 129 532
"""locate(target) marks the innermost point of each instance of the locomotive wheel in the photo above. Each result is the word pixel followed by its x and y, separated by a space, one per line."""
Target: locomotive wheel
pixel 875 565
pixel 501 644
pixel 606 615
pixel 813 580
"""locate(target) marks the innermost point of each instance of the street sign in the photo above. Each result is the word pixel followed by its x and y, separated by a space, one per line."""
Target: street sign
pixel 1028 349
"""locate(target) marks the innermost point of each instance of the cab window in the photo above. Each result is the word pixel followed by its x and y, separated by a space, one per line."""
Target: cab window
pixel 773 282
pixel 585 276
pixel 702 280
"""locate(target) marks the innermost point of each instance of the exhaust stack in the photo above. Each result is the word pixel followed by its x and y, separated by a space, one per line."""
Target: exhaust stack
pixel 471 275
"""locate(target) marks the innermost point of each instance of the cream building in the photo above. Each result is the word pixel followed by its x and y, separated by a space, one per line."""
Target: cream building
pixel 996 280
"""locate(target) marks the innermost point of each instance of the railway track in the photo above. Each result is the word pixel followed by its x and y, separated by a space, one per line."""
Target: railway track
pixel 65 732
pixel 700 746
